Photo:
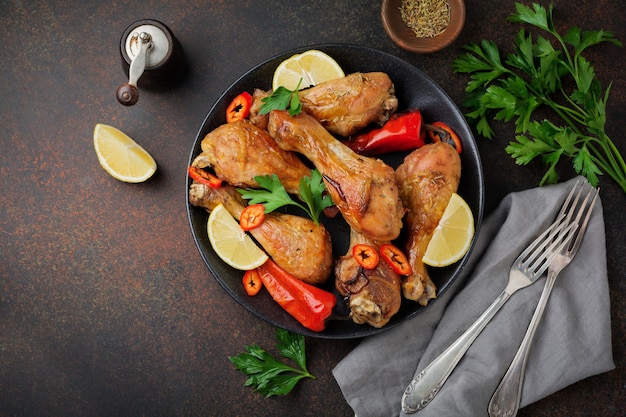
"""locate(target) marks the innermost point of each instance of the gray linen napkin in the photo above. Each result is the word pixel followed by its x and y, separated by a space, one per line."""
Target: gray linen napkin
pixel 573 340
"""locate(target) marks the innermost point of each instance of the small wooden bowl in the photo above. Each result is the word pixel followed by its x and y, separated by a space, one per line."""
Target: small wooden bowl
pixel 405 38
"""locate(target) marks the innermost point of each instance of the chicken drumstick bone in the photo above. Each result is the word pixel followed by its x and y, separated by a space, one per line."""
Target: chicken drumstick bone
pixel 373 295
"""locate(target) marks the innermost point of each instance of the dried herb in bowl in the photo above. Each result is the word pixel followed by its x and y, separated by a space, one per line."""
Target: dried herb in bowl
pixel 427 18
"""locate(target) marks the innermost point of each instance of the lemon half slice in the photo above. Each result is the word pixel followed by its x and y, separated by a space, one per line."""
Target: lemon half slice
pixel 231 243
pixel 312 66
pixel 453 235
pixel 121 156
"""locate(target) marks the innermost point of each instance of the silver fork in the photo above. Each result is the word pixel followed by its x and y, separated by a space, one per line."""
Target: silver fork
pixel 506 399
pixel 526 269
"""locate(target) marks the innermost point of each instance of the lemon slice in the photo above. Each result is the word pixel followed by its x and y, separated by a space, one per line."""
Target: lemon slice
pixel 121 156
pixel 453 235
pixel 231 243
pixel 312 66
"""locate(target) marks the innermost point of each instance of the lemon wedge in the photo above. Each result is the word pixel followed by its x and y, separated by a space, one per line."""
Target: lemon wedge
pixel 312 66
pixel 231 243
pixel 452 236
pixel 121 156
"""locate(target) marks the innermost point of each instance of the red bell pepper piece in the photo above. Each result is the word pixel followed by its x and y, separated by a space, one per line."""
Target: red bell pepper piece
pixel 441 132
pixel 252 216
pixel 396 259
pixel 252 282
pixel 365 255
pixel 310 305
pixel 402 132
pixel 239 108
pixel 204 177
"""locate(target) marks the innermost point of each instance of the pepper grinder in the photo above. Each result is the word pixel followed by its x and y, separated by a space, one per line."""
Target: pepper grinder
pixel 152 58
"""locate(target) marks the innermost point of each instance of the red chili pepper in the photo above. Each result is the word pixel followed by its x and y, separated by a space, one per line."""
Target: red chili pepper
pixel 252 282
pixel 402 132
pixel 310 305
pixel 441 132
pixel 252 216
pixel 365 255
pixel 204 177
pixel 395 258
pixel 239 108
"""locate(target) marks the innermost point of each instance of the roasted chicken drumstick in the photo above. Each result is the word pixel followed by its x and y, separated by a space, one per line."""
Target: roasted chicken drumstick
pixel 427 178
pixel 373 295
pixel 343 105
pixel 239 151
pixel 346 105
pixel 298 245
pixel 364 189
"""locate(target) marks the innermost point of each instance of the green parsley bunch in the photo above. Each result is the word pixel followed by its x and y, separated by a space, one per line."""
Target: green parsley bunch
pixel 538 74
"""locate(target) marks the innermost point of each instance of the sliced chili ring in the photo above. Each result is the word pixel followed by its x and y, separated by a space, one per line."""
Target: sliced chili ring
pixel 252 216
pixel 252 282
pixel 396 259
pixel 365 255
pixel 239 108
pixel 204 177
pixel 441 132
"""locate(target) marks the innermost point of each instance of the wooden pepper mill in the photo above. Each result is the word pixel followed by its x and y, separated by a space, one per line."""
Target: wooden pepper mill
pixel 149 52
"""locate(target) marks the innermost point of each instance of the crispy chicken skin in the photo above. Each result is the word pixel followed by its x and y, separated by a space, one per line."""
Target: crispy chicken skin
pixel 239 151
pixel 364 189
pixel 298 245
pixel 373 295
pixel 344 105
pixel 427 178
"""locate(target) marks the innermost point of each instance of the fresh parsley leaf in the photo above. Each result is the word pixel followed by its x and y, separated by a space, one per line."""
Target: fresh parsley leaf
pixel 291 347
pixel 582 40
pixel 283 99
pixel 525 58
pixel 583 163
pixel 537 16
pixel 537 75
pixel 274 196
pixel 313 192
pixel 524 150
pixel 501 99
pixel 269 375
pixel 586 75
pixel 295 107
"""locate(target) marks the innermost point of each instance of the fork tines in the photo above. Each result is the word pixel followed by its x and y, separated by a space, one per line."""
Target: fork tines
pixel 585 209
pixel 538 255
pixel 563 235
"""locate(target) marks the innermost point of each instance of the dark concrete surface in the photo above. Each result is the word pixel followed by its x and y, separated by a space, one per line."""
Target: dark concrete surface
pixel 106 307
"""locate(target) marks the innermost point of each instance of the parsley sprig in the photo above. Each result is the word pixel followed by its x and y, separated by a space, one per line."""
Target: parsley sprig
pixel 283 99
pixel 274 196
pixel 269 375
pixel 537 75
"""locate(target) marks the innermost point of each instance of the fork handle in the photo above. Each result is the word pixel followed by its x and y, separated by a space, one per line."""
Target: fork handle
pixel 425 386
pixel 506 399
